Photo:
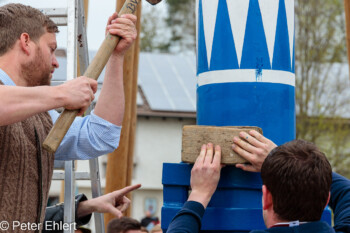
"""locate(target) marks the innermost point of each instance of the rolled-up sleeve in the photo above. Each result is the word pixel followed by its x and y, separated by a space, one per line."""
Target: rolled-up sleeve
pixel 87 138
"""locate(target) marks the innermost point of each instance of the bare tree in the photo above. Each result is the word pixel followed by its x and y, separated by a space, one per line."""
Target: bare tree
pixel 322 85
pixel 155 35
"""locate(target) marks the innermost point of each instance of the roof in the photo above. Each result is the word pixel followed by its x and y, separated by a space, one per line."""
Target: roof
pixel 167 83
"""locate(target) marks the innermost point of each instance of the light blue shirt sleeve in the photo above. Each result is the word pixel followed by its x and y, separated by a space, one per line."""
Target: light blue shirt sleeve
pixel 87 138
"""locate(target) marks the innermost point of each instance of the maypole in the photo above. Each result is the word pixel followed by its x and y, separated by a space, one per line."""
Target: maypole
pixel 246 77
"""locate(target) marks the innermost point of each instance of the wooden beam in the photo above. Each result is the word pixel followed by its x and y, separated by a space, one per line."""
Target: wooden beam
pixel 86 10
pixel 134 106
pixel 347 17
pixel 194 136
pixel 120 162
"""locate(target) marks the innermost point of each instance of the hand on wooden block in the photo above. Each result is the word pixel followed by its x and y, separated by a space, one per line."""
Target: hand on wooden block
pixel 253 147
pixel 205 174
pixel 194 136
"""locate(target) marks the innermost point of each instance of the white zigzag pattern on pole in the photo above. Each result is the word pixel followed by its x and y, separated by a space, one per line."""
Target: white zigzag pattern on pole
pixel 238 11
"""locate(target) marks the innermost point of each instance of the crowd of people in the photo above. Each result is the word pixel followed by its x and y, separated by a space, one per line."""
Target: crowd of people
pixel 298 182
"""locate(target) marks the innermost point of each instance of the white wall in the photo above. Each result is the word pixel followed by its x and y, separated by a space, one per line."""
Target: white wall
pixel 157 141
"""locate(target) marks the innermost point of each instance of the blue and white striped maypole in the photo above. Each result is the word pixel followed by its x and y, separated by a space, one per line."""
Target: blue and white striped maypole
pixel 245 65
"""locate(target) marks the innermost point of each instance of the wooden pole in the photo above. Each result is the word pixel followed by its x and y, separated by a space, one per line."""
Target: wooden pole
pixel 120 162
pixel 133 107
pixel 347 16
pixel 86 10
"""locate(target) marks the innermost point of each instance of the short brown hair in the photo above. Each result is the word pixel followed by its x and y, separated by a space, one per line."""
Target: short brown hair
pixel 299 177
pixel 16 19
pixel 122 225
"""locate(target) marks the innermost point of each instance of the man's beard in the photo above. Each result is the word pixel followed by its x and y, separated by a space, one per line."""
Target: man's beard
pixel 34 72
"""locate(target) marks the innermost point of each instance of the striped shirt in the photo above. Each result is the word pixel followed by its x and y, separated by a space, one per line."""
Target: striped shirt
pixel 87 138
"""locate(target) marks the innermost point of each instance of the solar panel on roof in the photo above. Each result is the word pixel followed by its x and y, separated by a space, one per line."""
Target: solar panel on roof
pixel 164 87
pixel 168 81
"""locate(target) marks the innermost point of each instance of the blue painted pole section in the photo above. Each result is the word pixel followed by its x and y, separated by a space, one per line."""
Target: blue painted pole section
pixel 245 65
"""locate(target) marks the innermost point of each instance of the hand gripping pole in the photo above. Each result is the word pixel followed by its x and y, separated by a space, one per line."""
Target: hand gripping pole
pixel 65 120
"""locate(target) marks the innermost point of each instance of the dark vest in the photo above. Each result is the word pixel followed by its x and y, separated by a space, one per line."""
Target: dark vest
pixel 25 170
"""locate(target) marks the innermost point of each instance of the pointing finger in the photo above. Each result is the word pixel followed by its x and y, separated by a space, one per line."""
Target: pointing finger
pixel 129 189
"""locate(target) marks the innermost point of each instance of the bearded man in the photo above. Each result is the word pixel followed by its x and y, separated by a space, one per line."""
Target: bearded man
pixel 27 62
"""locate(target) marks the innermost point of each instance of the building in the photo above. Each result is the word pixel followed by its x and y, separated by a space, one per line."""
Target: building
pixel 165 103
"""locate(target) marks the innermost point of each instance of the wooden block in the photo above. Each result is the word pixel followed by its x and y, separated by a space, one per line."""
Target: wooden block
pixel 194 136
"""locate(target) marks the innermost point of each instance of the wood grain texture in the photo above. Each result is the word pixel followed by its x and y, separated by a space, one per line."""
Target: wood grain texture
pixel 133 119
pixel 120 162
pixel 194 136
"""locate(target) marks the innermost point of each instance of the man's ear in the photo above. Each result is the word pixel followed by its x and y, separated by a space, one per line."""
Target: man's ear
pixel 329 197
pixel 267 198
pixel 25 43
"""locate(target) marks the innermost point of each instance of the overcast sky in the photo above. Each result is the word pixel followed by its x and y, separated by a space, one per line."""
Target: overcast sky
pixel 99 11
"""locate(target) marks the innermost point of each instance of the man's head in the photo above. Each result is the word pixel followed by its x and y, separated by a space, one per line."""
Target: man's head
pixel 16 19
pixel 298 177
pixel 32 35
pixel 124 225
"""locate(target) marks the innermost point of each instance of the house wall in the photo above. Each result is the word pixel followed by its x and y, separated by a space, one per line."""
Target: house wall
pixel 157 141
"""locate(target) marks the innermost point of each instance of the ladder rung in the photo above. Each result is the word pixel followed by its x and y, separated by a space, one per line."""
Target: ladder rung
pixel 59 175
pixel 59 21
pixel 55 12
pixel 58 15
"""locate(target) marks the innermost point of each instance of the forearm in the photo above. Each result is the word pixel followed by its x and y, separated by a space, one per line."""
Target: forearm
pixel 111 102
pixel 19 103
pixel 87 138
